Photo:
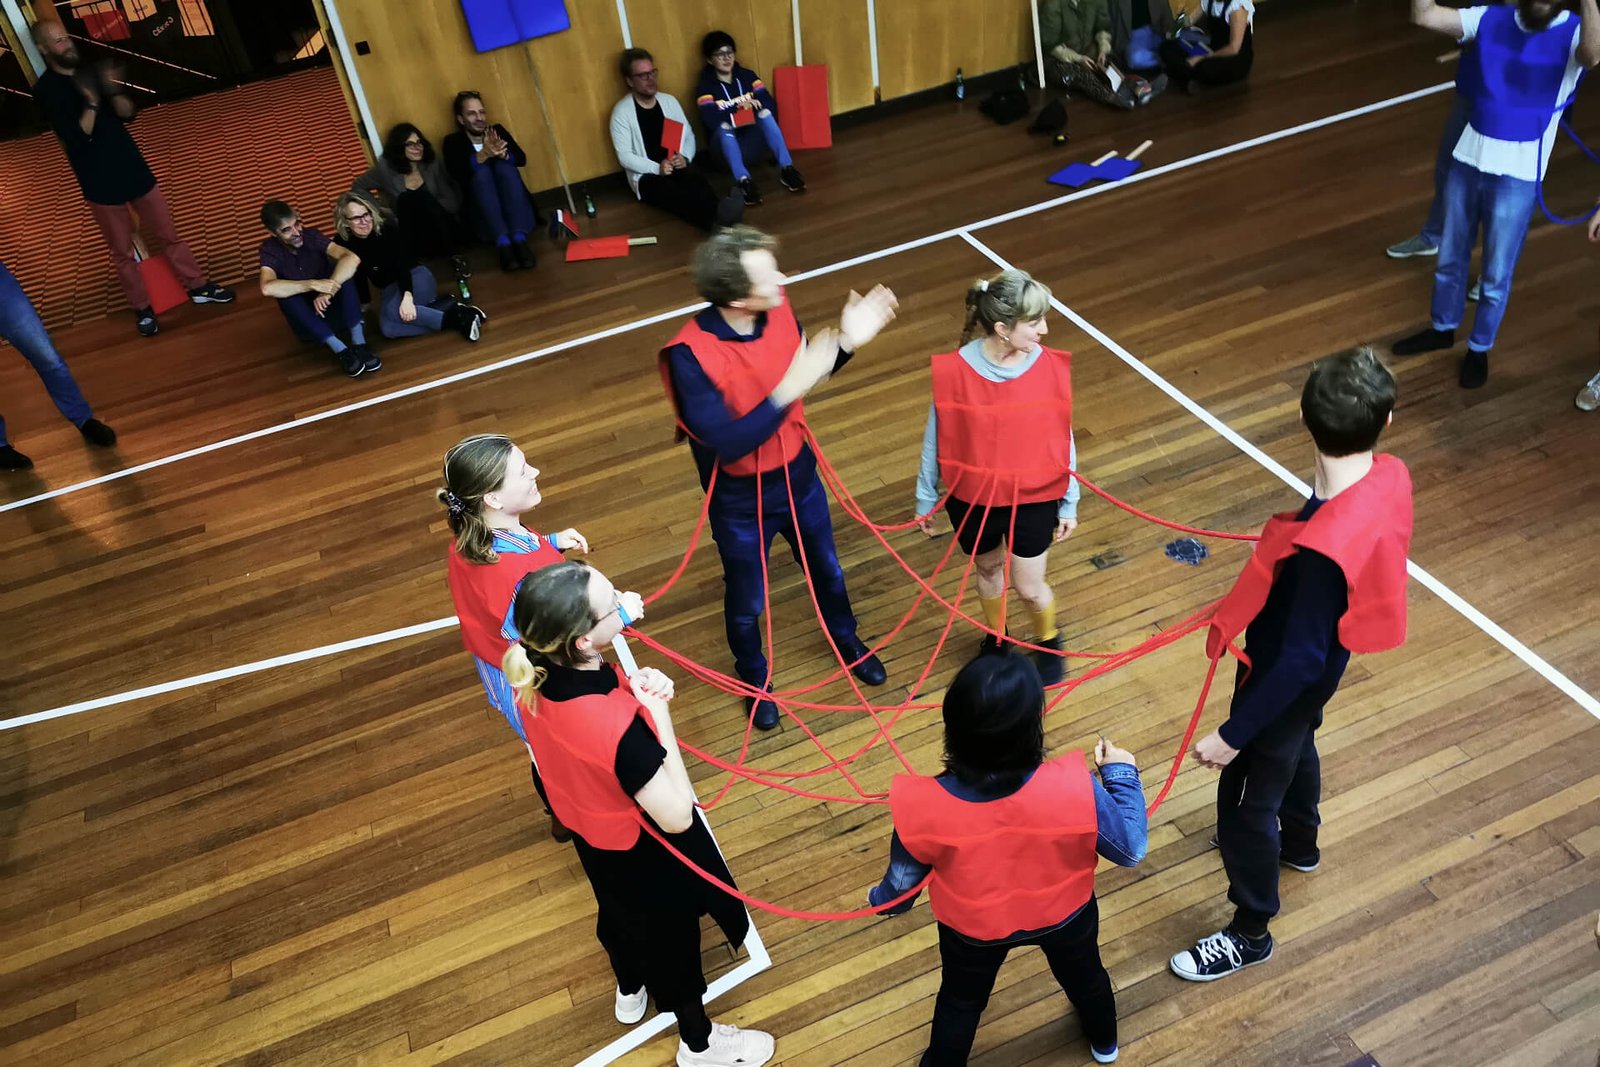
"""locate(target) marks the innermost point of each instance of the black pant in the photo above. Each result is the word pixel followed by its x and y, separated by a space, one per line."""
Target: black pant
pixel 1073 951
pixel 427 226
pixel 1266 807
pixel 685 193
pixel 1217 70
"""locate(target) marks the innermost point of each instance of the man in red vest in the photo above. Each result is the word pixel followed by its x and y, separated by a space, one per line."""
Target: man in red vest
pixel 736 375
pixel 1324 582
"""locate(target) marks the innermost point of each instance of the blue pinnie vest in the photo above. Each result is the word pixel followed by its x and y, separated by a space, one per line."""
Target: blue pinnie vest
pixel 1512 78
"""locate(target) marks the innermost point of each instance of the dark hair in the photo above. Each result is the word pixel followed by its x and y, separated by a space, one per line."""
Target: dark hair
pixel 394 147
pixel 630 56
pixel 718 267
pixel 463 96
pixel 994 723
pixel 715 41
pixel 275 213
pixel 1347 400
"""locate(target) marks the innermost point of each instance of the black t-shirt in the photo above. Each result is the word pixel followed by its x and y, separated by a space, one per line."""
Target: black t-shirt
pixel 650 126
pixel 639 755
pixel 107 162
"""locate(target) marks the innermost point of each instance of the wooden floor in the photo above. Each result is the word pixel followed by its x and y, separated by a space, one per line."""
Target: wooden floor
pixel 341 861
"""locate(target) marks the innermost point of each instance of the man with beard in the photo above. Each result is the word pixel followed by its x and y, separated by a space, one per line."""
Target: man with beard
pixel 1516 81
pixel 89 109
pixel 306 274
pixel 486 161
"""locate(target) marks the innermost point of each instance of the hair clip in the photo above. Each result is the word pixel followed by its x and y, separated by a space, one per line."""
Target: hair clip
pixel 983 285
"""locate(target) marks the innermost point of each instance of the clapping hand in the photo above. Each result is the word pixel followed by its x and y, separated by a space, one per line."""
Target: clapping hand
pixel 864 316
pixel 649 682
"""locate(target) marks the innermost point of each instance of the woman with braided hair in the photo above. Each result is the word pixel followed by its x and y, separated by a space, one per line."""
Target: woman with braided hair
pixel 488 484
pixel 613 769
pixel 999 436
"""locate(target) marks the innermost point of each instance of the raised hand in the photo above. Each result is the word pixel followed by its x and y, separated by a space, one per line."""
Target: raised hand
pixel 864 316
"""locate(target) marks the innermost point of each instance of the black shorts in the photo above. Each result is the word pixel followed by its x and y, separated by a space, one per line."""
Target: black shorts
pixel 1034 531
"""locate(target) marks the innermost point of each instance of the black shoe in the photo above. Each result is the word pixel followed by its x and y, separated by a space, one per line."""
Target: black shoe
pixel 792 180
pixel 465 320
pixel 211 293
pixel 97 433
pixel 352 362
pixel 145 319
pixel 1429 340
pixel 1474 371
pixel 12 460
pixel 992 645
pixel 1052 667
pixel 508 259
pixel 459 267
pixel 863 664
pixel 763 712
pixel 730 209
pixel 369 359
pixel 752 195
pixel 1220 955
pixel 524 253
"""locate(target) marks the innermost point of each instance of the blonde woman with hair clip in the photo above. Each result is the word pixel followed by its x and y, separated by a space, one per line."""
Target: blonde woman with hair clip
pixel 488 485
pixel 407 295
pixel 611 763
pixel 999 435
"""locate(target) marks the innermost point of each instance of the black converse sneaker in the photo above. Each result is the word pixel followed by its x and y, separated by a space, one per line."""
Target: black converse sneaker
pixel 1220 955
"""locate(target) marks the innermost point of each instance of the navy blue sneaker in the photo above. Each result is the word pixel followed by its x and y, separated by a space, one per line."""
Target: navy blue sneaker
pixel 1220 955
pixel 763 712
pixel 211 293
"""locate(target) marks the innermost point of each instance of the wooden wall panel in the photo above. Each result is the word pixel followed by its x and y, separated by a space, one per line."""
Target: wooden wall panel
pixel 922 42
pixel 671 30
pixel 835 32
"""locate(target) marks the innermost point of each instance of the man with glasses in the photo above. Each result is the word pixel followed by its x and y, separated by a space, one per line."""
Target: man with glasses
pixel 486 161
pixel 663 177
pixel 89 110
pixel 306 274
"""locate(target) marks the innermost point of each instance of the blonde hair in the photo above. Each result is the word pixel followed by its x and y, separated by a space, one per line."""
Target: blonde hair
pixel 550 612
pixel 473 468
pixel 718 267
pixel 342 227
pixel 1010 297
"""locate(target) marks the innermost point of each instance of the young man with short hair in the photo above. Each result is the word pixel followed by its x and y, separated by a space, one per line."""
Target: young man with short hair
pixel 306 274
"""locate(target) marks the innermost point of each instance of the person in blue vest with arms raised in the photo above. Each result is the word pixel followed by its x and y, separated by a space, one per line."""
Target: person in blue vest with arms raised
pixel 1516 81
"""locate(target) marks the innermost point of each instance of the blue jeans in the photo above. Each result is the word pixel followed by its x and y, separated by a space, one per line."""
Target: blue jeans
pixel 424 295
pixel 734 143
pixel 343 312
pixel 502 199
pixel 1433 229
pixel 20 325
pixel 808 529
pixel 1503 207
pixel 1141 52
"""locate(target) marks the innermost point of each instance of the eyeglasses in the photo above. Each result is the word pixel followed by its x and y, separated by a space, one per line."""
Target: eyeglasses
pixel 722 53
pixel 643 74
pixel 365 216
pixel 414 143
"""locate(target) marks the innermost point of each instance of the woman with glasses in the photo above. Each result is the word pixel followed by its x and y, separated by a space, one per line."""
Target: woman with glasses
pixel 407 293
pixel 740 115
pixel 614 775
pixel 413 183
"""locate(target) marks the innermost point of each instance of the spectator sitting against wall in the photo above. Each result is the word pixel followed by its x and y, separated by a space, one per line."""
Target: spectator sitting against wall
pixel 740 116
pixel 406 293
pixel 485 161
pixel 663 179
pixel 1137 29
pixel 410 180
pixel 1078 43
pixel 1227 52
pixel 306 274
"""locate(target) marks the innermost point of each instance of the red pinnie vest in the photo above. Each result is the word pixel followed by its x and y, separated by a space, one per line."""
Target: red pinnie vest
pixel 745 373
pixel 1366 530
pixel 1004 443
pixel 575 742
pixel 482 594
pixel 1022 862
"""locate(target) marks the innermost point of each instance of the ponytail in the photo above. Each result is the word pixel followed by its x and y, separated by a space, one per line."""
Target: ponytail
pixel 550 613
pixel 474 468
pixel 523 676
pixel 1010 297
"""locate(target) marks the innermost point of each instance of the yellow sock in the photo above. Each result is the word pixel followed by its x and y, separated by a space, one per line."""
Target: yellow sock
pixel 1044 623
pixel 994 613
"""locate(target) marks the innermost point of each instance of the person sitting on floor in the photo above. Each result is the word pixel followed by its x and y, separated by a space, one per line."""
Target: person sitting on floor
pixel 407 293
pixel 663 179
pixel 1137 29
pixel 306 274
pixel 740 116
pixel 485 160
pixel 1226 56
pixel 412 183
pixel 1077 41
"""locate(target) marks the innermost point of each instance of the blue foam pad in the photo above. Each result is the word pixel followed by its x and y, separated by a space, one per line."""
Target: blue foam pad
pixel 1075 174
pixel 497 23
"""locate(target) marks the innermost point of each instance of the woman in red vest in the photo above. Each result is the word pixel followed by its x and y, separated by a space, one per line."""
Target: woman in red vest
pixel 999 435
pixel 488 485
pixel 1008 841
pixel 612 766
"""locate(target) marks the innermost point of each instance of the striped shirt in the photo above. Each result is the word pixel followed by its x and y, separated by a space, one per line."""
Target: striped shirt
pixel 501 696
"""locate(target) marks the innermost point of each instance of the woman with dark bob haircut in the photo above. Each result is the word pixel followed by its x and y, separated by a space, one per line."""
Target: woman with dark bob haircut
pixel 411 182
pixel 1010 839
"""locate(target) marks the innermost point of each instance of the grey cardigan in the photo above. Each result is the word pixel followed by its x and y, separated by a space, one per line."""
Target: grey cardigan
pixel 1122 22
pixel 390 183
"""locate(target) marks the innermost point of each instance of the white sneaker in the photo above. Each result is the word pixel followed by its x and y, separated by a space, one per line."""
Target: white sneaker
pixel 1589 396
pixel 631 1008
pixel 1476 292
pixel 730 1047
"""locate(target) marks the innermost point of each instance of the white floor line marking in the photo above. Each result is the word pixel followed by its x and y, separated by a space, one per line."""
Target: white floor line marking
pixel 1495 631
pixel 906 246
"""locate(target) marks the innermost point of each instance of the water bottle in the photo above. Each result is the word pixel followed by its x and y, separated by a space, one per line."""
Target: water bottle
pixel 588 203
pixel 466 292
pixel 1022 77
pixel 961 85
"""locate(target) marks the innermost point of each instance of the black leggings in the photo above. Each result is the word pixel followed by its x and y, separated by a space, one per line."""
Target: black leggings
pixel 684 193
pixel 1073 951
pixel 1213 70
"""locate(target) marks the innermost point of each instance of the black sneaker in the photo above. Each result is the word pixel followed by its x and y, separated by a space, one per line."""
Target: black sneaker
pixel 465 320
pixel 508 259
pixel 730 209
pixel 1474 373
pixel 752 195
pixel 1220 955
pixel 211 293
pixel 12 460
pixel 863 664
pixel 792 180
pixel 1429 340
pixel 369 359
pixel 1052 667
pixel 524 253
pixel 992 645
pixel 763 712
pixel 97 433
pixel 352 362
pixel 145 319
